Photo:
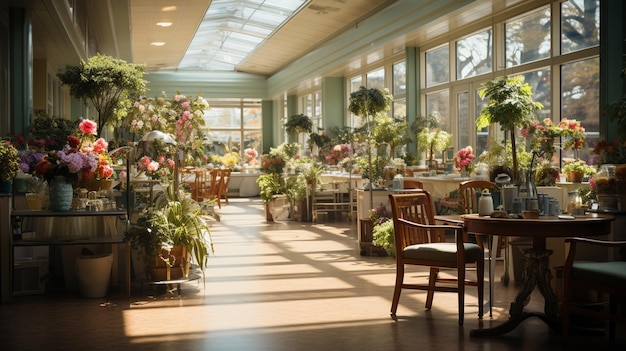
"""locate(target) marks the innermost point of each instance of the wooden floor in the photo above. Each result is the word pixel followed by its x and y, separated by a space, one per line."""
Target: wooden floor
pixel 275 286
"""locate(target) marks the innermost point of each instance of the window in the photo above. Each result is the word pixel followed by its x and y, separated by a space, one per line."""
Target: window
pixel 580 87
pixel 376 79
pixel 528 38
pixel 234 125
pixel 437 104
pixel 580 25
pixel 438 66
pixel 474 55
pixel 525 46
pixel 399 90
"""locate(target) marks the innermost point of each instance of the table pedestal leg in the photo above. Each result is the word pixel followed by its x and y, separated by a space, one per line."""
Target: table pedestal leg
pixel 536 274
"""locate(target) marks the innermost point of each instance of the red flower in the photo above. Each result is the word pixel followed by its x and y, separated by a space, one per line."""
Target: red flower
pixel 73 141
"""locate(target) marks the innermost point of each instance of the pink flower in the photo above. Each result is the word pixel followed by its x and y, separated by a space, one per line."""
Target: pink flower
pixel 88 127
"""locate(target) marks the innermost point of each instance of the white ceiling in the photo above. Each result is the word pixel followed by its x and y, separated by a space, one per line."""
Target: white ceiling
pixel 315 23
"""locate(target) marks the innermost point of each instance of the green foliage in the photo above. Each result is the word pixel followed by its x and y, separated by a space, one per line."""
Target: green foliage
pixel 421 122
pixel 270 184
pixel 8 161
pixel 295 188
pixel 579 166
pixel 107 82
pixel 368 102
pixel 386 130
pixel 49 132
pixel 510 103
pixel 430 140
pixel 175 220
pixel 383 235
pixel 299 124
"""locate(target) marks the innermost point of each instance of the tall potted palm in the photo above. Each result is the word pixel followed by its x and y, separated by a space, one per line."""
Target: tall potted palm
pixel 510 105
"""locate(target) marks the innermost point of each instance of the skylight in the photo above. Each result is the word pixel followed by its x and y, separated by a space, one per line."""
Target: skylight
pixel 231 30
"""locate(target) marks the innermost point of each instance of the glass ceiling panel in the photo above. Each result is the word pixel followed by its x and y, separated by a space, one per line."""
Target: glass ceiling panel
pixel 231 30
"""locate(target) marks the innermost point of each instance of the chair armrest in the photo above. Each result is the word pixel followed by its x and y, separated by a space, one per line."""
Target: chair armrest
pixel 430 226
pixel 571 255
pixel 606 243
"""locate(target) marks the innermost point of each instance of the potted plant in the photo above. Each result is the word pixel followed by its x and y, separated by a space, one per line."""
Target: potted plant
pixel 367 103
pixel 296 192
pixel 510 105
pixel 109 83
pixel 175 221
pixel 9 165
pixel 576 170
pixel 299 124
pixel 270 185
pixel 431 140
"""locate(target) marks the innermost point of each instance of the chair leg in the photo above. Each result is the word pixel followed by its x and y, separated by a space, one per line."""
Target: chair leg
pixel 565 311
pixel 432 280
pixel 461 291
pixel 397 290
pixel 480 280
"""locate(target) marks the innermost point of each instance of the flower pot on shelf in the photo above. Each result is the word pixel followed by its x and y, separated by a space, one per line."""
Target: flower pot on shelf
pixel 575 177
pixel 177 269
pixel 6 187
pixel 94 184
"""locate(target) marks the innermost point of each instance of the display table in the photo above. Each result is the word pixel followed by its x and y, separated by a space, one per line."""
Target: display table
pixel 243 184
pixel 48 228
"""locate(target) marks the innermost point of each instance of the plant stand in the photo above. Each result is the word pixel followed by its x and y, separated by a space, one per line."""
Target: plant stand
pixel 366 245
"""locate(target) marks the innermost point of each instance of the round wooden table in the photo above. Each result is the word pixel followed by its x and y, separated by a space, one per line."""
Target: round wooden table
pixel 536 260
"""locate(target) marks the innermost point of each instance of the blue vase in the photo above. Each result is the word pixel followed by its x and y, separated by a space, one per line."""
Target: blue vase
pixel 61 193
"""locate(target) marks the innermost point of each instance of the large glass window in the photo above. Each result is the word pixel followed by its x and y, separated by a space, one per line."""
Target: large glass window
pixel 580 24
pixel 376 79
pixel 528 38
pixel 525 46
pixel 399 90
pixel 438 66
pixel 580 88
pixel 438 104
pixel 234 125
pixel 474 55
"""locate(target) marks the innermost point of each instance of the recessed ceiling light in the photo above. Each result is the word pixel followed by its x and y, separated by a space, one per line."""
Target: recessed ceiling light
pixel 157 43
pixel 164 24
pixel 168 8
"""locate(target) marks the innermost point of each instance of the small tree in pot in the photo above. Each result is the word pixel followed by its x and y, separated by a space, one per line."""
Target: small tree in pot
pixel 510 105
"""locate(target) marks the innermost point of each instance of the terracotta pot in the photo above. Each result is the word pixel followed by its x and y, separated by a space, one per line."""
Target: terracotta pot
pixel 575 177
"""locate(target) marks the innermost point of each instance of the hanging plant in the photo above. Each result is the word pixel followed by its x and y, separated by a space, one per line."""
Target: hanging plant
pixel 299 124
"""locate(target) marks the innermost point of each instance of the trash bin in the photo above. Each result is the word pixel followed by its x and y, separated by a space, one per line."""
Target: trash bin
pixel 93 273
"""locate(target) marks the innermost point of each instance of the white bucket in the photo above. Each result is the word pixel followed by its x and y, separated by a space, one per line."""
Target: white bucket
pixel 93 273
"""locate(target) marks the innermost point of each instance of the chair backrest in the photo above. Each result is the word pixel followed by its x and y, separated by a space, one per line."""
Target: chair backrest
pixel 225 180
pixel 469 190
pixel 413 184
pixel 415 207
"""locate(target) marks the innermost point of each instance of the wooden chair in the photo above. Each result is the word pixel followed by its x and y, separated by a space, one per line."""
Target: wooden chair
pixel 469 191
pixel 225 180
pixel 413 184
pixel 608 277
pixel 418 241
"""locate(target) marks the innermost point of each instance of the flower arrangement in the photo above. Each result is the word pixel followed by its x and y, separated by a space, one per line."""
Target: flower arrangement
pixel 463 159
pixel 318 139
pixel 160 168
pixel 338 153
pixel 29 159
pixel 573 132
pixel 82 157
pixel 230 159
pixel 272 163
pixel 8 160
pixel 544 134
pixel 251 155
pixel 182 116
